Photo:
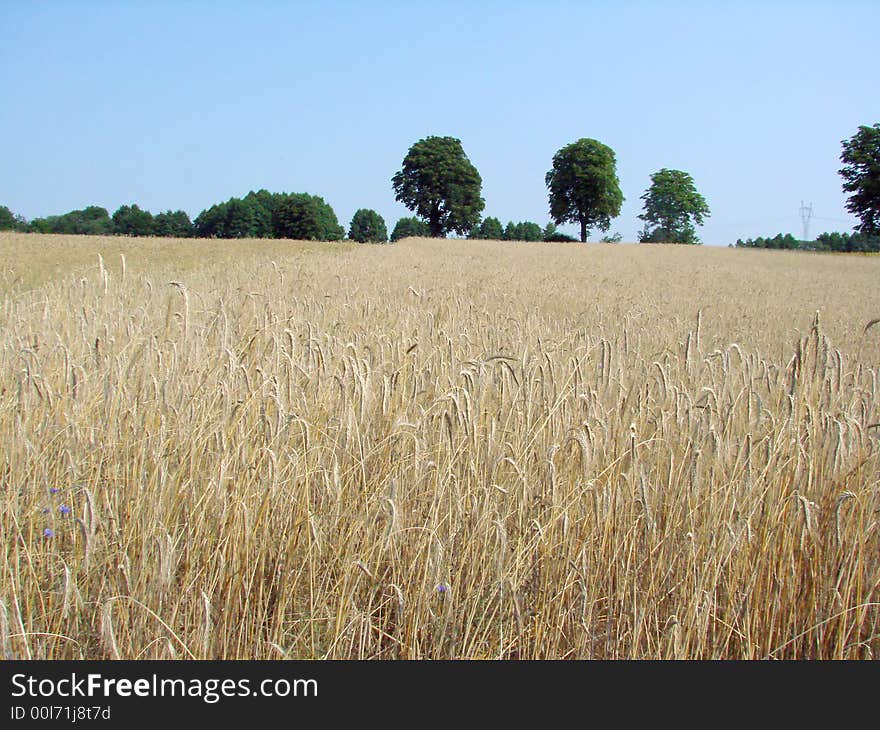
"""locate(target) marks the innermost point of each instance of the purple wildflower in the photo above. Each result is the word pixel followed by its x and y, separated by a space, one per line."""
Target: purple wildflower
pixel 48 532
pixel 64 509
pixel 442 588
pixel 54 490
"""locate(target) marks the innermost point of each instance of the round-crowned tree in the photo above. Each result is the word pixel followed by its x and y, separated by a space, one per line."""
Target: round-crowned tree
pixel 438 182
pixel 584 187
pixel 368 226
pixel 672 207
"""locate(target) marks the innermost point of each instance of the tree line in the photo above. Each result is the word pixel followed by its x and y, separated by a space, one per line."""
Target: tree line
pixel 96 221
pixel 442 187
pixel 839 242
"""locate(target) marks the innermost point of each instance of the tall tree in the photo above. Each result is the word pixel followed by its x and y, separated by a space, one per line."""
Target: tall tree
pixel 584 187
pixel 438 182
pixel 861 177
pixel 672 206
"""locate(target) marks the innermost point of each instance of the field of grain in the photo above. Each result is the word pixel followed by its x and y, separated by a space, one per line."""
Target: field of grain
pixel 437 449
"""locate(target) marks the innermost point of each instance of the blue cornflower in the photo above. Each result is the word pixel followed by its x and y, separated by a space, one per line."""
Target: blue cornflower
pixel 48 532
pixel 442 588
pixel 54 490
pixel 64 509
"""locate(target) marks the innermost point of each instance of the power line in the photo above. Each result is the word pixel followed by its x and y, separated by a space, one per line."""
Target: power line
pixel 806 214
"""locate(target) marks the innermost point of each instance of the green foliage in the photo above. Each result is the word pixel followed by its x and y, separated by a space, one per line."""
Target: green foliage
pixel 438 182
pixel 686 234
pixel 250 217
pixel 409 227
pixel 672 206
pixel 368 226
pixel 262 204
pixel 780 241
pixel 211 222
pixel 129 220
pixel 847 242
pixel 838 242
pixel 330 228
pixel 263 214
pixel 584 187
pixel 525 231
pixel 490 229
pixel 305 217
pixel 861 177
pixel 239 219
pixel 7 219
pixel 173 224
pixel 559 237
pixel 297 217
pixel 553 235
pixel 10 221
pixel 616 238
pixel 94 221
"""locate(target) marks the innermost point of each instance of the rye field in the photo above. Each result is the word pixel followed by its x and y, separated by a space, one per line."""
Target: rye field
pixel 437 450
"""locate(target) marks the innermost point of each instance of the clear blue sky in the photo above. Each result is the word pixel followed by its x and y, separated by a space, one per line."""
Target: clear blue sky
pixel 185 104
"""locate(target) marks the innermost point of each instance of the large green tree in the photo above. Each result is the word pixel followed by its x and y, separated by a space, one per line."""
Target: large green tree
pixel 861 177
pixel 438 182
pixel 367 226
pixel 672 207
pixel 584 187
